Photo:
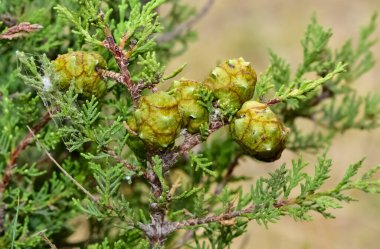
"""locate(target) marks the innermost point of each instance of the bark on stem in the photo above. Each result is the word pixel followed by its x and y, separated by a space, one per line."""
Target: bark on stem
pixel 213 218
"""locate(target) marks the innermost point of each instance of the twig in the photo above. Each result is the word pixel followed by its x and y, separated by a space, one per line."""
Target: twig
pixel 159 229
pixel 119 159
pixel 129 129
pixel 174 187
pixel 326 93
pixel 222 218
pixel 273 101
pixel 228 175
pixel 12 163
pixel 91 196
pixel 110 74
pixel 186 25
pixel 191 140
pixel 189 234
pixel 213 218
pixel 15 154
pixel 46 239
pixel 125 76
pixel 123 40
pixel 121 59
pixel 166 228
pixel 20 30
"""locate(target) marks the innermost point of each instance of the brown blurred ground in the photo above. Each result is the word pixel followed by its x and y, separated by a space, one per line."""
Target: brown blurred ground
pixel 248 28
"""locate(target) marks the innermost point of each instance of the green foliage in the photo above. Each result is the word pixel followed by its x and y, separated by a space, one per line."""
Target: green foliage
pixel 135 242
pixel 84 20
pixel 272 195
pixel 152 70
pixel 297 91
pixel 200 163
pixel 140 196
pixel 330 101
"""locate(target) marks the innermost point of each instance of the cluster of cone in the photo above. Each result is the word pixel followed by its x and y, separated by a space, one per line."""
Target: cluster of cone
pixel 161 116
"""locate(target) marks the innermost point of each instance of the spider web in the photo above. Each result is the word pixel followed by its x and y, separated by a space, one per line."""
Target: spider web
pixel 42 78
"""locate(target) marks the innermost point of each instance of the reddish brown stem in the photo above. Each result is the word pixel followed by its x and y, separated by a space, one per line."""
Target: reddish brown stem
pixel 213 218
pixel 273 102
pixel 15 154
pixel 20 30
pixel 123 40
pixel 122 61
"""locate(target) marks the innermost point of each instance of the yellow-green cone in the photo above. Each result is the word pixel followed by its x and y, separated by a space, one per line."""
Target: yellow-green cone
pixel 193 113
pixel 259 132
pixel 233 82
pixel 79 68
pixel 135 143
pixel 158 120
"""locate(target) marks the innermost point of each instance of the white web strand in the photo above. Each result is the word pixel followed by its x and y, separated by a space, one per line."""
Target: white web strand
pixel 46 88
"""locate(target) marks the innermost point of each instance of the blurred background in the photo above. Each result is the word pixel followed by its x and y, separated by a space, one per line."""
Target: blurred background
pixel 248 28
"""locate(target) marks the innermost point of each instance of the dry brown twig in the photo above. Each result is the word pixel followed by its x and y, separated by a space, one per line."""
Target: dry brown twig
pixel 20 30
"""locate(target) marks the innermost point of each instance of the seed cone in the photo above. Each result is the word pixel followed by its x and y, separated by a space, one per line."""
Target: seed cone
pixel 233 82
pixel 79 68
pixel 135 143
pixel 259 132
pixel 158 120
pixel 193 113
